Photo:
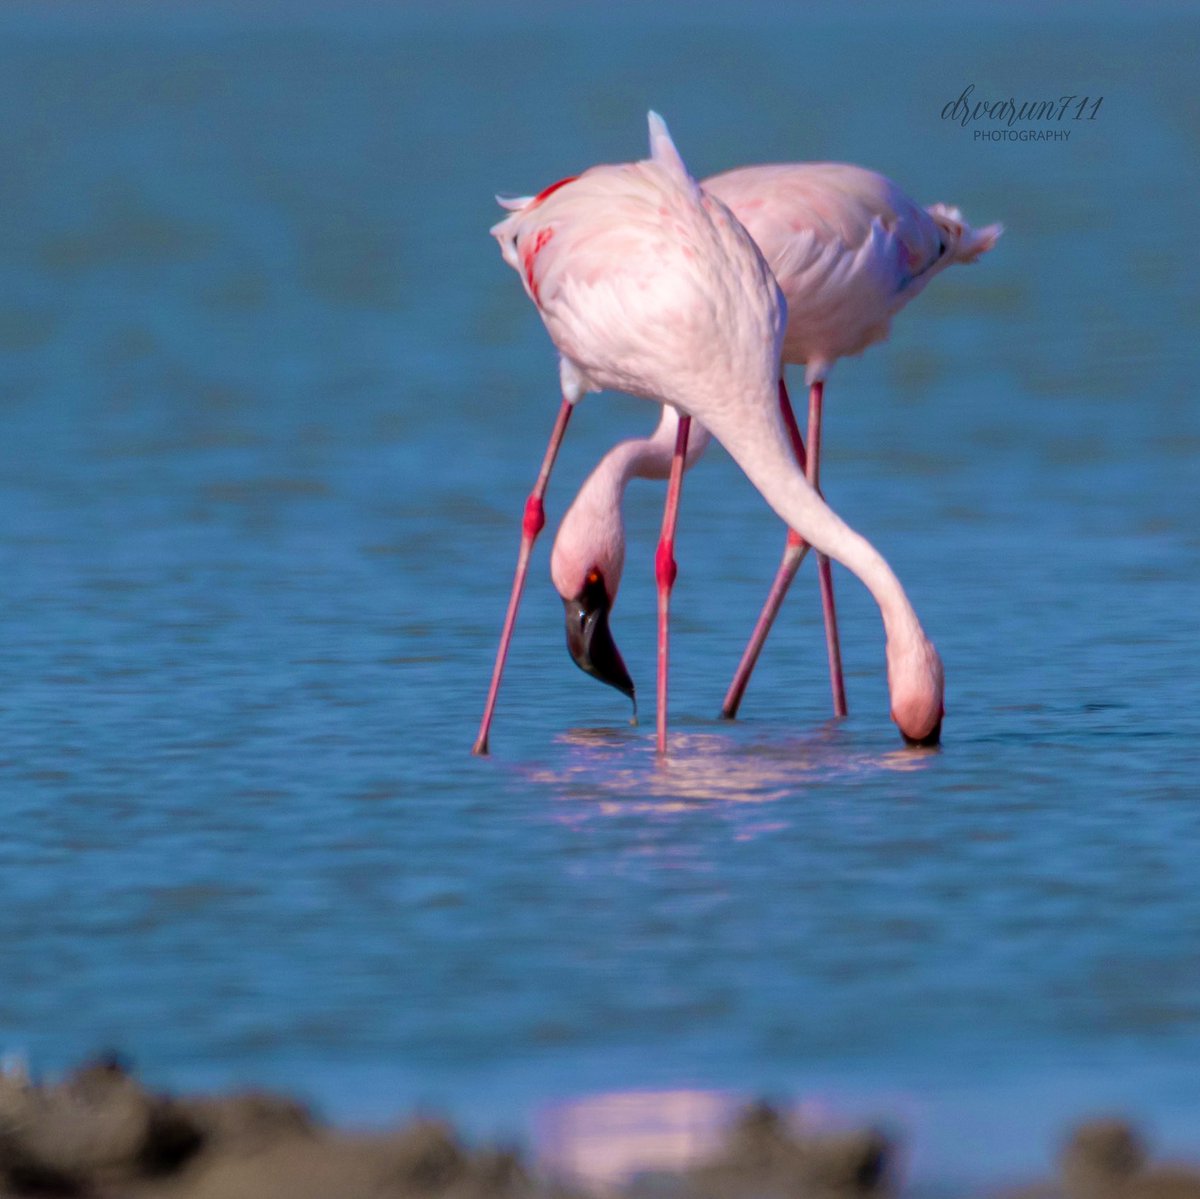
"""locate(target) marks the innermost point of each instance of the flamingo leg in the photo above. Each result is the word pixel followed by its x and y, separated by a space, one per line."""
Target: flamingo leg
pixel 531 525
pixel 665 571
pixel 793 554
pixel 816 396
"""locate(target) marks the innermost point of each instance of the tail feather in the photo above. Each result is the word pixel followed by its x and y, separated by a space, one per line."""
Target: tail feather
pixel 664 153
pixel 963 243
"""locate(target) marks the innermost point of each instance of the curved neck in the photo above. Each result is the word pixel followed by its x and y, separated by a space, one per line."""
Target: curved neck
pixel 641 458
pixel 756 439
pixel 605 486
pixel 592 533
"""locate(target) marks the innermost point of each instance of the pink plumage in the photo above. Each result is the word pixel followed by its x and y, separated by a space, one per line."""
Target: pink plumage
pixel 848 248
pixel 649 285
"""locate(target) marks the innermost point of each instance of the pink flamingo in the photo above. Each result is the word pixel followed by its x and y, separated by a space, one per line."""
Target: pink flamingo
pixel 848 250
pixel 649 285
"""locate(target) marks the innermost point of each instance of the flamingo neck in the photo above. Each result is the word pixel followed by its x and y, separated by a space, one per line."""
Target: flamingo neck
pixel 639 458
pixel 592 534
pixel 757 440
pixel 754 434
pixel 604 489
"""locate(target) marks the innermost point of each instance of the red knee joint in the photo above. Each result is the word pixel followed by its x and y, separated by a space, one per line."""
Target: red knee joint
pixel 665 569
pixel 794 540
pixel 535 517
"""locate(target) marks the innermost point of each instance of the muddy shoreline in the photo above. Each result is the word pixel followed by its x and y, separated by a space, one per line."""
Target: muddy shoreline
pixel 99 1133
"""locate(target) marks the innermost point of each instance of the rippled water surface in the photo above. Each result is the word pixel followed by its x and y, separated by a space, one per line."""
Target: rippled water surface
pixel 269 407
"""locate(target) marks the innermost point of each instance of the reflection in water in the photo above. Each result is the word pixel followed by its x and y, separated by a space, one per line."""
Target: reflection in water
pixel 604 1140
pixel 621 771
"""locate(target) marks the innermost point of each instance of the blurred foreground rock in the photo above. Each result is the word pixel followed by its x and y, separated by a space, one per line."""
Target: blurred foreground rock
pixel 99 1134
pixel 766 1158
pixel 1107 1159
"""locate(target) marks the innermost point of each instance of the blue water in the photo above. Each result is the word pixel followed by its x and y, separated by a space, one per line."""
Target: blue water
pixel 269 407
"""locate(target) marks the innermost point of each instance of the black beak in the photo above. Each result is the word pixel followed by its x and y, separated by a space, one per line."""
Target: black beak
pixel 589 641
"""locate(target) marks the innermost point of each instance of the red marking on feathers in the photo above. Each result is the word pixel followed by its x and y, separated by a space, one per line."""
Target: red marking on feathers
pixel 529 255
pixel 549 191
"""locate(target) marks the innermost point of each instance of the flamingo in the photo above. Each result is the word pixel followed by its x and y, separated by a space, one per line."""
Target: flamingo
pixel 849 249
pixel 649 285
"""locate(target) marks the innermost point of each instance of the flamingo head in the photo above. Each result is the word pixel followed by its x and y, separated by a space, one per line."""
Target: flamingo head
pixel 961 242
pixel 589 640
pixel 917 686
pixel 586 564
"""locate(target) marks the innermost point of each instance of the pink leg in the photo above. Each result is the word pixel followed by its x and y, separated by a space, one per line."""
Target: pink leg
pixel 816 395
pixel 665 571
pixel 793 554
pixel 531 526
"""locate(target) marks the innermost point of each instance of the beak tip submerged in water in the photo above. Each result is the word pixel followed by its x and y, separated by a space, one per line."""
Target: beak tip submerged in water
pixel 929 740
pixel 590 643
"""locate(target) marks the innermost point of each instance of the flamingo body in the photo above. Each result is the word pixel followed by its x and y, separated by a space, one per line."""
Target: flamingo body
pixel 848 248
pixel 647 285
